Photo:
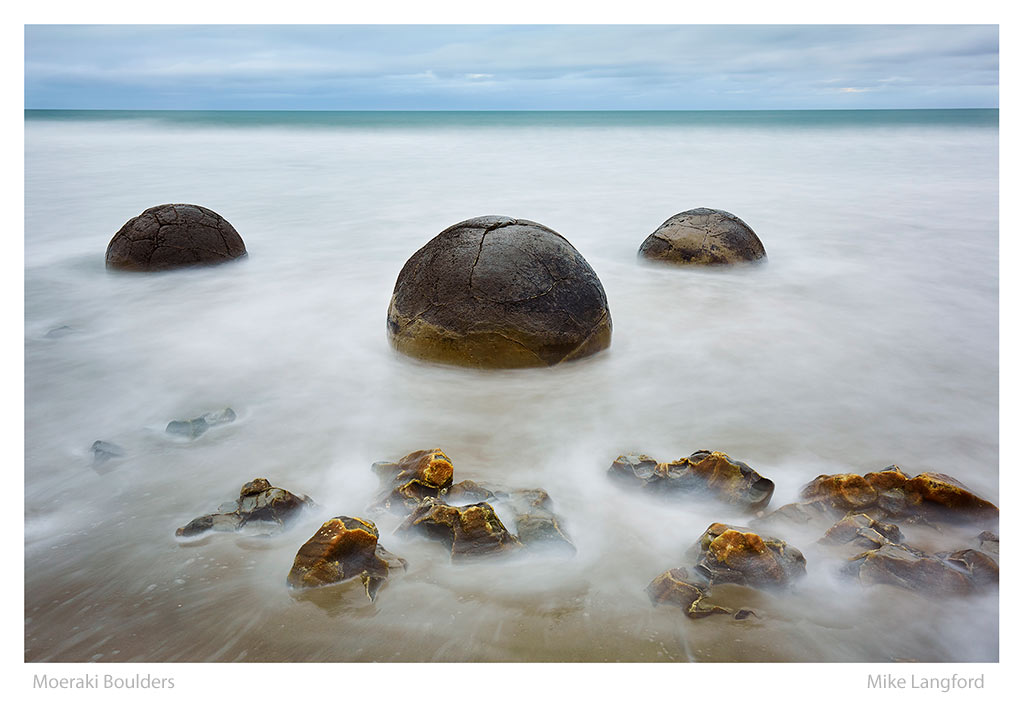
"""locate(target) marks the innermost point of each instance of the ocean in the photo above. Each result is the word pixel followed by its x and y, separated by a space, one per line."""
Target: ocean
pixel 868 338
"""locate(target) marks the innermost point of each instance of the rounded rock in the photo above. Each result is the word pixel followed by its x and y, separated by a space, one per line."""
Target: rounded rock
pixel 498 292
pixel 172 236
pixel 703 236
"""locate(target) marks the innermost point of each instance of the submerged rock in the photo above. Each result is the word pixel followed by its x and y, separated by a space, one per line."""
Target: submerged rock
pixel 675 587
pixel 862 530
pixel 103 451
pixel 194 428
pixel 708 472
pixel 889 493
pixel 909 568
pixel 259 504
pixel 470 531
pixel 497 292
pixel 729 554
pixel 172 236
pixel 703 236
pixel 344 548
pixel 537 526
pixel 419 475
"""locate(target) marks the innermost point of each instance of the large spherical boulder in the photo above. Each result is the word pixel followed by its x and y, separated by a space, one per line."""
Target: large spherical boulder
pixel 703 236
pixel 497 292
pixel 172 236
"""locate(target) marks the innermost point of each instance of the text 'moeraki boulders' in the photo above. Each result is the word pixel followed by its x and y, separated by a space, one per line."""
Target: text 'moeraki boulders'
pixel 703 236
pixel 497 292
pixel 172 236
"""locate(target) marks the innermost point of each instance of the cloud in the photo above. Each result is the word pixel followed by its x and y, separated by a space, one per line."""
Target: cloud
pixel 507 66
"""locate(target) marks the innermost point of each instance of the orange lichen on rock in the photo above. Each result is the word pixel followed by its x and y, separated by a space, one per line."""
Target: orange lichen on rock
pixel 729 554
pixel 709 472
pixel 470 531
pixel 419 475
pixel 890 493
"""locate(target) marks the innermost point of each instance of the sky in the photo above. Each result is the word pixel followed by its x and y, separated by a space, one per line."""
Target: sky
pixel 509 67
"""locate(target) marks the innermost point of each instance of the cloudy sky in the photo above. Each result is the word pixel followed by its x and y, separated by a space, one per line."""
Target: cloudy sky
pixel 505 67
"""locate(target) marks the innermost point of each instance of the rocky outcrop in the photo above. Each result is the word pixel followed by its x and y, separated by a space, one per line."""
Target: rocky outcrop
pixel 497 292
pixel 704 472
pixel 730 554
pixel 344 548
pixel 194 428
pixel 703 236
pixel 470 531
pixel 172 236
pixel 419 475
pixel 889 493
pixel 260 506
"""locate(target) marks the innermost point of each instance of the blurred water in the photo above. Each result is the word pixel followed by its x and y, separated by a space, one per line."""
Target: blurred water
pixel 869 338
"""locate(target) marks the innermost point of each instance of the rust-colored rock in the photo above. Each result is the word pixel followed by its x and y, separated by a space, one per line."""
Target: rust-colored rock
pixel 711 473
pixel 676 588
pixel 470 532
pixel 889 493
pixel 343 548
pixel 172 236
pixel 259 504
pixel 419 475
pixel 729 554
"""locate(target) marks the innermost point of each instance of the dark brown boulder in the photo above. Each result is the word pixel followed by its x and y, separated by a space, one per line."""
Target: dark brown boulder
pixel 729 554
pixel 419 475
pixel 343 548
pixel 497 292
pixel 911 569
pixel 470 532
pixel 259 504
pixel 675 587
pixel 863 531
pixel 706 472
pixel 703 236
pixel 171 236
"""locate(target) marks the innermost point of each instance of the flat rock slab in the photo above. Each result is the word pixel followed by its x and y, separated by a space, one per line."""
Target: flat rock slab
pixel 498 292
pixel 703 236
pixel 172 236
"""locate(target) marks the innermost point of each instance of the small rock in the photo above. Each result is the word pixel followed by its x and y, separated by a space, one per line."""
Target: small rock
pixel 858 527
pixel 470 531
pixel 103 451
pixel 258 502
pixel 703 472
pixel 194 428
pixel 676 588
pixel 729 554
pixel 890 493
pixel 419 475
pixel 344 548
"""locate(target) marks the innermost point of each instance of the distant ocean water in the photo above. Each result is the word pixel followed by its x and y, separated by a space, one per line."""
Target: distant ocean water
pixel 870 337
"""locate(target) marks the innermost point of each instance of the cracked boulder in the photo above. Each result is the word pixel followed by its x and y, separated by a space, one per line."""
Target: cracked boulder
pixel 703 236
pixel 497 292
pixel 729 554
pixel 344 548
pixel 470 531
pixel 172 236
pixel 703 472
pixel 260 506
